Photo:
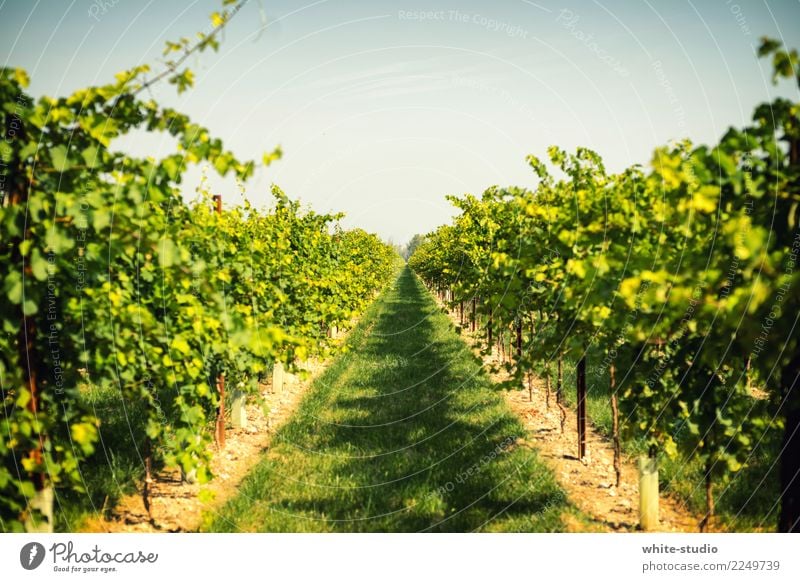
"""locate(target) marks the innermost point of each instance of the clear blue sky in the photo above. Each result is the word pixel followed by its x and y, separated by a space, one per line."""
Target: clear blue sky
pixel 383 108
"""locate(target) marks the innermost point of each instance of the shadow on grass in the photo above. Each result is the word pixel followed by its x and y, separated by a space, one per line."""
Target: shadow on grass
pixel 116 466
pixel 403 433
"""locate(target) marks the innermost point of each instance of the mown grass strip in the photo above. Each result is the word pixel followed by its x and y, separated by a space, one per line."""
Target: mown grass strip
pixel 404 432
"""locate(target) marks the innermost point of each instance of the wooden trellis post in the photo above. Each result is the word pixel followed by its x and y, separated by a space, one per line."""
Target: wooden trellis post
pixel 219 429
pixel 42 500
pixel 474 316
pixel 581 399
pixel 615 424
pixel 559 391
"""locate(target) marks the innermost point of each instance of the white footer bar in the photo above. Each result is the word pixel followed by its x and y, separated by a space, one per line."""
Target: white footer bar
pixel 401 557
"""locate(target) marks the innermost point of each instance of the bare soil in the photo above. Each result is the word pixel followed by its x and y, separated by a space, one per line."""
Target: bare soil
pixel 590 483
pixel 178 506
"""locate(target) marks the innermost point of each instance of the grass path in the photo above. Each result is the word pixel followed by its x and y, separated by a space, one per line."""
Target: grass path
pixel 404 432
